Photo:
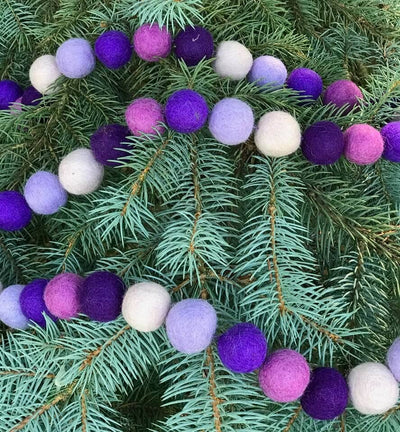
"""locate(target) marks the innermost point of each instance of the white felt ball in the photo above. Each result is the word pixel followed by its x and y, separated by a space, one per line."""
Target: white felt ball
pixel 232 60
pixel 80 173
pixel 373 389
pixel 277 134
pixel 43 73
pixel 145 306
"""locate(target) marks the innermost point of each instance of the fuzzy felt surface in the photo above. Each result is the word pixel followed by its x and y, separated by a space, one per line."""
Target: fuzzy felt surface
pixel 144 116
pixel 232 60
pixel 10 91
pixel 75 58
pixel 393 358
pixel 10 308
pixel 343 92
pixel 193 44
pixel 363 144
pixel 151 43
pixel 268 70
pixel 307 82
pixel 15 213
pixel 31 96
pixel 391 138
pixel 16 106
pixel 113 48
pixel 43 73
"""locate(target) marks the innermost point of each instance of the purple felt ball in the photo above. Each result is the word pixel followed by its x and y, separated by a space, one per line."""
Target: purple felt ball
pixel 392 358
pixel 284 376
pixel 15 213
pixel 363 144
pixel 61 295
pixel 268 70
pixel 191 325
pixel 44 194
pixel 31 96
pixel 343 92
pixel 75 58
pixel 193 44
pixel 152 42
pixel 323 143
pixel 307 82
pixel 326 396
pixel 10 91
pixel 144 116
pixel 32 302
pixel 186 111
pixel 101 296
pixel 391 138
pixel 108 144
pixel 113 48
pixel 10 308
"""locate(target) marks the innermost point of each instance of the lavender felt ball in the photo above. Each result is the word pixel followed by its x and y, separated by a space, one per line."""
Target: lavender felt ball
pixel 326 396
pixel 194 44
pixel 363 144
pixel 268 70
pixel 391 138
pixel 75 58
pixel 343 92
pixel 323 143
pixel 10 91
pixel 101 296
pixel 231 121
pixel 151 42
pixel 31 96
pixel 144 116
pixel 191 325
pixel 393 358
pixel 186 111
pixel 307 82
pixel 113 48
pixel 15 213
pixel 10 308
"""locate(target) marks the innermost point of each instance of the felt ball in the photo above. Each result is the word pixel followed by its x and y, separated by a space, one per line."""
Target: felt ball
pixel 15 213
pixel 363 144
pixel 268 70
pixel 80 173
pixel 277 134
pixel 373 388
pixel 231 121
pixel 193 44
pixel 151 42
pixel 32 302
pixel 191 325
pixel 75 58
pixel 144 116
pixel 242 348
pixel 307 82
pixel 186 111
pixel 393 358
pixel 326 395
pixel 10 91
pixel 391 138
pixel 61 295
pixel 10 308
pixel 43 73
pixel 44 194
pixel 101 296
pixel 16 106
pixel 284 376
pixel 323 143
pixel 113 48
pixel 145 306
pixel 343 92
pixel 31 96
pixel 233 60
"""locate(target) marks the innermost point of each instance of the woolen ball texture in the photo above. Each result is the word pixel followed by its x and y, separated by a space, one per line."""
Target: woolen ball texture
pixel 242 348
pixel 191 325
pixel 61 295
pixel 363 144
pixel 43 73
pixel 393 358
pixel 326 395
pixel 44 194
pixel 194 44
pixel 268 70
pixel 323 143
pixel 10 91
pixel 15 213
pixel 75 58
pixel 10 308
pixel 373 388
pixel 284 376
pixel 277 134
pixel 113 48
pixel 145 116
pixel 232 60
pixel 80 173
pixel 343 92
pixel 391 138
pixel 101 296
pixel 31 96
pixel 151 42
pixel 307 82
pixel 145 306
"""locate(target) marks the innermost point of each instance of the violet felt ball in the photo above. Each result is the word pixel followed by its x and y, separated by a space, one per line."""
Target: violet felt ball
pixel 113 48
pixel 16 106
pixel 144 116
pixel 10 91
pixel 391 138
pixel 191 325
pixel 363 144
pixel 268 70
pixel 186 111
pixel 325 397
pixel 61 295
pixel 152 42
pixel 75 58
pixel 307 82
pixel 343 92
pixel 231 121
pixel 194 44
pixel 284 376
pixel 323 143
pixel 101 296
pixel 31 96
pixel 393 358
pixel 15 213
pixel 10 308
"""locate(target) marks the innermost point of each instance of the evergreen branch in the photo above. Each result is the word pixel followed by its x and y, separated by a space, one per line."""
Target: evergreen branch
pixel 293 419
pixel 334 337
pixel 84 412
pixel 343 422
pixel 197 196
pixel 21 373
pixel 215 400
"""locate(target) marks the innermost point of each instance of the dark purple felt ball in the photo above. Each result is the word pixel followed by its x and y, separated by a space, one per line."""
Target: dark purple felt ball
pixel 101 296
pixel 31 96
pixel 113 48
pixel 307 82
pixel 323 143
pixel 391 138
pixel 343 92
pixel 326 396
pixel 193 44
pixel 15 213
pixel 10 91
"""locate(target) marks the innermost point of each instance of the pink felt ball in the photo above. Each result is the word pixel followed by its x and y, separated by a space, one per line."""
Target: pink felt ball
pixel 144 116
pixel 152 42
pixel 363 144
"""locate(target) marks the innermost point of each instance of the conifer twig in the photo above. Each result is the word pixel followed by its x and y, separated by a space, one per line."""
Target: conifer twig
pixel 293 419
